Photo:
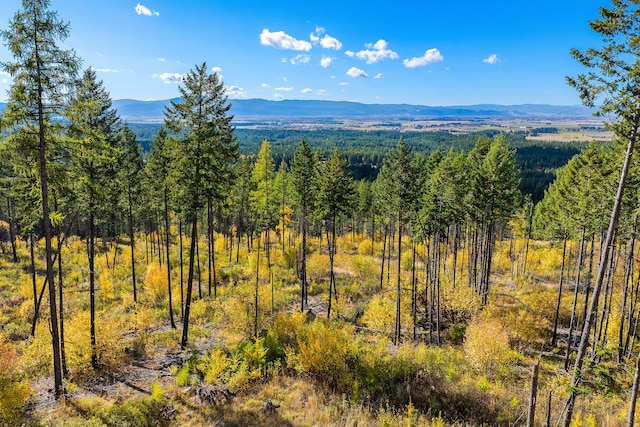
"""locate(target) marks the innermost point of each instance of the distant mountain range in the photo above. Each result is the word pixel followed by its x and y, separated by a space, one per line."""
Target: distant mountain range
pixel 135 111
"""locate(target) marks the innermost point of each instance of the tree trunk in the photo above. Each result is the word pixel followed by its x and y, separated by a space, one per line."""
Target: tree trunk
pixel 210 246
pixel 602 265
pixel 12 230
pixel 303 262
pixel 33 282
pixel 257 289
pixel 396 336
pixel 631 414
pixel 92 290
pixel 531 415
pixel 46 220
pixel 384 249
pixel 167 232
pixel 181 269
pixel 623 305
pixel 133 246
pixel 573 321
pixel 332 243
pixel 190 276
pixel 555 318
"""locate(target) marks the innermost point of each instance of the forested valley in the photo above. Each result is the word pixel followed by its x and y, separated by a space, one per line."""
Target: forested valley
pixel 204 275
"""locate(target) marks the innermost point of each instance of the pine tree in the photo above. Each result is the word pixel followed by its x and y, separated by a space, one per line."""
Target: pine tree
pixel 42 75
pixel 612 82
pixel 336 197
pixel 402 179
pixel 93 125
pixel 304 171
pixel 205 151
pixel 157 171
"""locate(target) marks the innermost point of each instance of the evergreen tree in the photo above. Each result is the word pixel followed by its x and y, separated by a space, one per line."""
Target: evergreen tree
pixel 157 171
pixel 304 171
pixel 336 197
pixel 205 151
pixel 42 74
pixel 402 180
pixel 130 173
pixel 612 82
pixel 93 124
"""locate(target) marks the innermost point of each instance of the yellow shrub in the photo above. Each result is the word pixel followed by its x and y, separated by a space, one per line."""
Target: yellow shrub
pixel 317 266
pixel 379 314
pixel 323 349
pixel 286 327
pixel 14 393
pixel 155 282
pixel 365 268
pixel 365 247
pixel 486 345
pixel 109 342
pixel 462 301
pixel 216 364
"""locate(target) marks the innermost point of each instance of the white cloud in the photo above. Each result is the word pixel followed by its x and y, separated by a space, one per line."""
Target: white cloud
pixel 161 59
pixel 378 76
pixel 306 90
pixel 303 58
pixel 235 91
pixel 430 56
pixel 376 52
pixel 169 78
pixel 284 89
pixel 216 69
pixel 356 72
pixel 343 84
pixel 350 54
pixel 265 86
pixel 277 95
pixel 326 61
pixel 280 40
pixel 105 70
pixel 144 10
pixel 322 92
pixel 327 41
pixel 492 59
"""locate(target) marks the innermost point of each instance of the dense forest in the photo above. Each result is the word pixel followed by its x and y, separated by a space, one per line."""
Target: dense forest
pixel 205 275
pixel 365 151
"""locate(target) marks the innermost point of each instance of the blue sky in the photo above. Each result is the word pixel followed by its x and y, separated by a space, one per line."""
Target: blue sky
pixel 426 52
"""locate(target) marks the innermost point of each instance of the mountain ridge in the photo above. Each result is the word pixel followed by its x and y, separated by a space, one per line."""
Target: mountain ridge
pixel 136 111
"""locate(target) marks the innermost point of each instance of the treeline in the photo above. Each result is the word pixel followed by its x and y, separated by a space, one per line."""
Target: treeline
pixel 365 151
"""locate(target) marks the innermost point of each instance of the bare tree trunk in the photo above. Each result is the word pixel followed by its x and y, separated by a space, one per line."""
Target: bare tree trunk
pixel 531 415
pixel 574 319
pixel 397 334
pixel 256 312
pixel 190 276
pixel 384 249
pixel 628 268
pixel 33 280
pixel 181 269
pixel 555 319
pixel 631 414
pixel 167 232
pixel 12 230
pixel 92 289
pixel 133 248
pixel 414 306
pixel 602 266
